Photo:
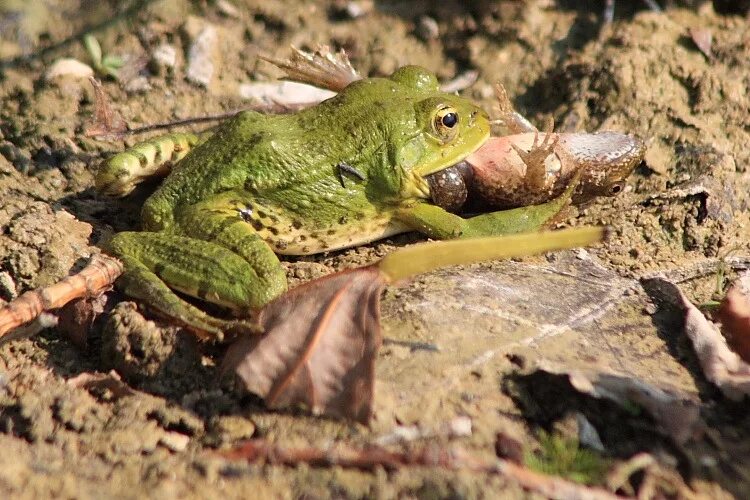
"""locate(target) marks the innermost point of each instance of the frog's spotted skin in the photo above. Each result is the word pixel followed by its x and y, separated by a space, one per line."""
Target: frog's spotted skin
pixel 264 184
pixel 123 171
pixel 291 236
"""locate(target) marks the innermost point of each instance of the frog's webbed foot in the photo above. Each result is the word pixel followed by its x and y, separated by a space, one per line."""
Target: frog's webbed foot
pixel 535 158
pixel 344 168
pixel 509 117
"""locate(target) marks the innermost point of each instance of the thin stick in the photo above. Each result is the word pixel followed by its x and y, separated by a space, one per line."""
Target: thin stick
pixel 261 108
pixel 96 277
pixel 371 457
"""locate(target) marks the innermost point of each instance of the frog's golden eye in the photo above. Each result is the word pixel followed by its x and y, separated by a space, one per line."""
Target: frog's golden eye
pixel 445 123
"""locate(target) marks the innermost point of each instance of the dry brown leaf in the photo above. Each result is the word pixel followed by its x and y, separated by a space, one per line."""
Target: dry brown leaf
pixel 77 316
pixel 734 315
pixel 703 39
pixel 107 122
pixel 720 365
pixel 321 68
pixel 319 347
pixel 677 416
pixel 102 381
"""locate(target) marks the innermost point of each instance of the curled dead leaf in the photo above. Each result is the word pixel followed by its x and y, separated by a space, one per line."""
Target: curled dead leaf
pixel 720 365
pixel 322 68
pixel 675 414
pixel 77 317
pixel 107 123
pixel 319 346
pixel 734 315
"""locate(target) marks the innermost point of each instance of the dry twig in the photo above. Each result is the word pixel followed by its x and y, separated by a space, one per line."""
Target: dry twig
pixel 94 279
pixel 372 457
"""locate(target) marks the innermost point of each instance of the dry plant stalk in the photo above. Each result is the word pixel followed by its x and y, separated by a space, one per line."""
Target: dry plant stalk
pixel 372 457
pixel 94 279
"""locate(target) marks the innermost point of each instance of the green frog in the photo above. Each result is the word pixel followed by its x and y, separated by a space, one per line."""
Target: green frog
pixel 345 172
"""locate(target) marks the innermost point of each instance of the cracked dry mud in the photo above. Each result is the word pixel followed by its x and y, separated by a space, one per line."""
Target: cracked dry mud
pixel 685 207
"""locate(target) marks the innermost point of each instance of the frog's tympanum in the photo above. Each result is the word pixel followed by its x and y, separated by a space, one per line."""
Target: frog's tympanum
pixel 345 172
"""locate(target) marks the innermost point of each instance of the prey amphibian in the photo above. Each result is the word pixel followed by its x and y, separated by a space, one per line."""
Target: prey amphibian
pixel 263 185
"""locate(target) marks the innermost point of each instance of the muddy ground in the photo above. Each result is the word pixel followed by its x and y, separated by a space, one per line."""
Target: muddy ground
pixel 683 211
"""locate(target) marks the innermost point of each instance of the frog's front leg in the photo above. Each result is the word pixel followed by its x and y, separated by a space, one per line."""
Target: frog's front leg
pixel 435 222
pixel 216 257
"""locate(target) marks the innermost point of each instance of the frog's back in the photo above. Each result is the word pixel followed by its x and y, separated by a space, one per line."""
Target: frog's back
pixel 263 155
pixel 250 152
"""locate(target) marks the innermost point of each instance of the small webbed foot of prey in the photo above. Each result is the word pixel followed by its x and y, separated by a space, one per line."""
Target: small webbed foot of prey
pixel 509 117
pixel 535 158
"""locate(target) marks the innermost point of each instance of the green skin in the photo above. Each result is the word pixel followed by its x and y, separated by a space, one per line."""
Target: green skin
pixel 265 185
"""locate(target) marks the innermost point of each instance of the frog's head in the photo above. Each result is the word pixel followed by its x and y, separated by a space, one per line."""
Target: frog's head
pixel 435 130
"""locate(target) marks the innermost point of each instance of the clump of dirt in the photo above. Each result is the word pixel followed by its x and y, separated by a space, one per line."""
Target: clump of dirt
pixel 453 339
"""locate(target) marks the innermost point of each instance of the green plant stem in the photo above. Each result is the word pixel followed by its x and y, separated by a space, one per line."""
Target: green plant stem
pixel 425 257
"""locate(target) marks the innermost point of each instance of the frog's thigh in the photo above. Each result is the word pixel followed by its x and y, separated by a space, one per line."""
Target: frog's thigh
pixel 437 223
pixel 217 220
pixel 197 268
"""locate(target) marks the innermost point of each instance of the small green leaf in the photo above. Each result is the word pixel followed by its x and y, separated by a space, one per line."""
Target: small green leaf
pixel 94 50
pixel 113 62
pixel 565 457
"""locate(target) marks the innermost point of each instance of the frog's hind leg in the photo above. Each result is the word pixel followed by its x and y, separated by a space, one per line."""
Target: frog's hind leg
pixel 238 223
pixel 154 262
pixel 119 174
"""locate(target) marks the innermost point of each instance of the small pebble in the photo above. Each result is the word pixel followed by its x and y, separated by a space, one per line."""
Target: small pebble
pixel 68 67
pixel 228 9
pixel 165 55
pixel 201 55
pixel 427 28
pixel 460 427
pixel 174 441
pixel 137 84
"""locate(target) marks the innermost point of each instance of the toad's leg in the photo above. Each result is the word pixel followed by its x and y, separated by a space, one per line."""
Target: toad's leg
pixel 512 119
pixel 435 222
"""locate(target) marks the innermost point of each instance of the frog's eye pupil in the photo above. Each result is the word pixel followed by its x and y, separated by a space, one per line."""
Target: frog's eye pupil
pixel 450 119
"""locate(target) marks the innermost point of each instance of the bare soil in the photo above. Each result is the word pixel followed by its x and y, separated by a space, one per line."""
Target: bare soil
pixel 683 211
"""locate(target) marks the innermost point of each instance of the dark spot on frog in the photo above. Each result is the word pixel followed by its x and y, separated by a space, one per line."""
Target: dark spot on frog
pixel 273 230
pixel 296 224
pixel 257 225
pixel 159 269
pixel 343 220
pixel 246 214
pixel 331 232
pixel 255 139
pixel 141 158
pixel 203 288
